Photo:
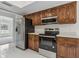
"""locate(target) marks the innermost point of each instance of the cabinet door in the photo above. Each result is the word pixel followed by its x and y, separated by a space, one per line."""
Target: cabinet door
pixel 31 42
pixel 71 11
pixel 48 12
pixel 36 43
pixel 66 51
pixel 33 19
pixel 67 13
pixel 77 49
pixel 62 14
pixel 37 18
pixel 61 51
pixel 44 14
pixel 54 11
pixel 66 48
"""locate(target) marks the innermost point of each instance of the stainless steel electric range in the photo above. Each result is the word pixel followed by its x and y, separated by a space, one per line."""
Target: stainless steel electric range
pixel 47 46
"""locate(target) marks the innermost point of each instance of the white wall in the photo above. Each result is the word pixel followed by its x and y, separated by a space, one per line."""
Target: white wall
pixel 64 28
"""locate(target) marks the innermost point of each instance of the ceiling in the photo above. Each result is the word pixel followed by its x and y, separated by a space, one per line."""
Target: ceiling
pixel 27 7
pixel 20 4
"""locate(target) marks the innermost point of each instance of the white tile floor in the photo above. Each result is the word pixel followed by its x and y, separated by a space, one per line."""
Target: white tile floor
pixel 17 53
pixel 12 52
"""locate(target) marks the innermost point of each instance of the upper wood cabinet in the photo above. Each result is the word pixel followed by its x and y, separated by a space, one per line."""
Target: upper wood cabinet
pixel 72 13
pixel 54 11
pixel 62 14
pixel 43 13
pixel 66 14
pixel 34 18
pixel 37 18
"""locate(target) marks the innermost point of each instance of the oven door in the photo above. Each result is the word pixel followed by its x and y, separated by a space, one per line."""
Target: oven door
pixel 48 44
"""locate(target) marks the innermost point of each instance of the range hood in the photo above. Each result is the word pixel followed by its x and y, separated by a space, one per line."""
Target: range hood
pixel 49 20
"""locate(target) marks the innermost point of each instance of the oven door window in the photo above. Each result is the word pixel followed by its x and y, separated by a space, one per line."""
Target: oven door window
pixel 48 44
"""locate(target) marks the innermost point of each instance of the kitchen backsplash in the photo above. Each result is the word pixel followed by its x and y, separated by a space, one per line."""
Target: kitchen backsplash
pixel 65 28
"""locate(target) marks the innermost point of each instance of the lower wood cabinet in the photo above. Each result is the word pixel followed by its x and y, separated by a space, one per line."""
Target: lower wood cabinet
pixel 30 42
pixel 33 42
pixel 67 47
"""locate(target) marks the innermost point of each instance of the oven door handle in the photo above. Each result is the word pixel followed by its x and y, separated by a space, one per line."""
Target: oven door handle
pixel 47 36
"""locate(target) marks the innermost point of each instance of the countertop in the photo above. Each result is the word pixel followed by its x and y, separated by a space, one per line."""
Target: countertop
pixel 68 35
pixel 34 33
pixel 42 35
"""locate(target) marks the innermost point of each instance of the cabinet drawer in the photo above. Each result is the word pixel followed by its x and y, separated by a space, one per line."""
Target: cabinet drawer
pixel 60 40
pixel 66 41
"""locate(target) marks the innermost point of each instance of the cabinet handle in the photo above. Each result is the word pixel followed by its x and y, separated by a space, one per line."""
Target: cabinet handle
pixel 71 46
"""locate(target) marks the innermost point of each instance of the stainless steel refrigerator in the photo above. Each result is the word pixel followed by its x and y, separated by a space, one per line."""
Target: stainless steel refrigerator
pixel 23 27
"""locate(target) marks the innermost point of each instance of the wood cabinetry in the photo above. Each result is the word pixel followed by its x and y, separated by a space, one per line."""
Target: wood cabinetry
pixel 67 47
pixel 33 42
pixel 36 43
pixel 43 13
pixel 36 18
pixel 30 42
pixel 62 14
pixel 66 14
pixel 54 11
